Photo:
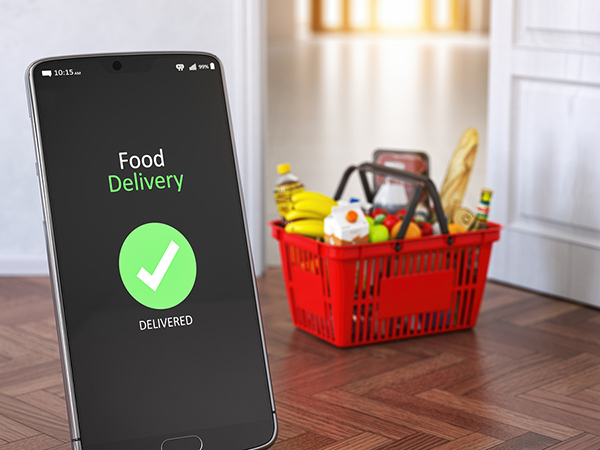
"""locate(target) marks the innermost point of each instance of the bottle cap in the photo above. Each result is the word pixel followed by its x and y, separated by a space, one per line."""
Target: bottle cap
pixel 283 168
pixel 351 216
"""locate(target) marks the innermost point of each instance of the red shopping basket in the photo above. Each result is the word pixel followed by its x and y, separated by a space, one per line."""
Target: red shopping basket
pixel 368 293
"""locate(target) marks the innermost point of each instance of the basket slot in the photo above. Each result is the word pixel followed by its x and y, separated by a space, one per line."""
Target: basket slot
pixel 469 265
pixel 327 284
pixel 358 281
pixel 461 266
pixel 361 323
pixel 471 304
pixel 427 319
pixel 324 326
pixel 369 309
pixel 463 309
pixel 331 322
pixel 382 325
pixel 382 269
pixel 354 318
pixel 368 281
pixel 456 309
pixel 475 266
pixel 294 255
pixel 440 321
pixel 376 321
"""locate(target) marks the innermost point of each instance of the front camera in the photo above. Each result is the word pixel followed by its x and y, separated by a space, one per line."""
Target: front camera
pixel 117 65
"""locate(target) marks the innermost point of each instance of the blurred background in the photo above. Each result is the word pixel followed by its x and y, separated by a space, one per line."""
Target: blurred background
pixel 321 84
pixel 348 77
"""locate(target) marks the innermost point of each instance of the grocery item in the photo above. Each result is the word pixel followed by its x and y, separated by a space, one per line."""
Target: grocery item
pixel 413 231
pixel 298 215
pixel 287 185
pixel 377 211
pixel 414 161
pixel 311 195
pixel 422 213
pixel 454 228
pixel 459 170
pixel 312 206
pixel 391 195
pixel 390 221
pixel 464 216
pixel 346 225
pixel 306 227
pixel 306 211
pixel 378 233
pixel 426 228
pixel 483 210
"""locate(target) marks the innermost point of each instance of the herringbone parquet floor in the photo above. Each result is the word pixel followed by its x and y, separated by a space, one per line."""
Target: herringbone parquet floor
pixel 526 377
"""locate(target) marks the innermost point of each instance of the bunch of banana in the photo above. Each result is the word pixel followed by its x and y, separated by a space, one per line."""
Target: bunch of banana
pixel 306 214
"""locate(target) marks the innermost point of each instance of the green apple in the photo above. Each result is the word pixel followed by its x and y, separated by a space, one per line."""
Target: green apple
pixel 379 233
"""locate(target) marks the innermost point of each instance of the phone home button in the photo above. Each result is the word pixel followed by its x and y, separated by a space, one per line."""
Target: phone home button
pixel 182 443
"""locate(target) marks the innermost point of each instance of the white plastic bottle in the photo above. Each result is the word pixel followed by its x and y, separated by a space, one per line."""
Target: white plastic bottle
pixel 391 195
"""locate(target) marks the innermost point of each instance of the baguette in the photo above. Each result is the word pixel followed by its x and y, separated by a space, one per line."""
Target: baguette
pixel 459 170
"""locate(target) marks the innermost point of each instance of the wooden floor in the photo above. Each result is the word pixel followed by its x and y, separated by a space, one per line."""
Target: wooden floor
pixel 526 377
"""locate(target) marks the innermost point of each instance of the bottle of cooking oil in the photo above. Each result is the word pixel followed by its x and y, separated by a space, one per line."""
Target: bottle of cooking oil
pixel 287 185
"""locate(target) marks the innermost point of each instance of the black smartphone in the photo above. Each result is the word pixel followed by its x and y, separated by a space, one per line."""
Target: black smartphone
pixel 156 303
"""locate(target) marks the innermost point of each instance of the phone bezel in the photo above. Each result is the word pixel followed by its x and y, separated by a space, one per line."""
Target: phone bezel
pixel 50 242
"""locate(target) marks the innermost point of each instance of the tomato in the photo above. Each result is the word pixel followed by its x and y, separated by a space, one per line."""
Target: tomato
pixel 426 228
pixel 390 221
pixel 378 211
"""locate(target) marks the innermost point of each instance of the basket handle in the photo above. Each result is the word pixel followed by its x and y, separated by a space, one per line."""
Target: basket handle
pixel 418 181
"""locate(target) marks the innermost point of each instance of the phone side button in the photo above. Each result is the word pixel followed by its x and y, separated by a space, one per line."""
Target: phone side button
pixel 182 443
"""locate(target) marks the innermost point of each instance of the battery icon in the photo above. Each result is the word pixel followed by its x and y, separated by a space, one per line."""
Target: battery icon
pixel 212 66
pixel 46 73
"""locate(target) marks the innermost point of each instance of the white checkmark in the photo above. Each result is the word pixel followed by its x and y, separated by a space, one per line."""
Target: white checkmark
pixel 167 258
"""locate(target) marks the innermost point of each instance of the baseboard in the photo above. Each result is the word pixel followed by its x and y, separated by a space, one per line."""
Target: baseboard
pixel 23 265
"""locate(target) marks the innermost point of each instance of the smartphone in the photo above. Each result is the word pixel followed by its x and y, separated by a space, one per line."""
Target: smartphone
pixel 157 310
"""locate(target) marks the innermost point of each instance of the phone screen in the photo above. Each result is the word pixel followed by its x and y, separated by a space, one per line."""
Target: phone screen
pixel 150 250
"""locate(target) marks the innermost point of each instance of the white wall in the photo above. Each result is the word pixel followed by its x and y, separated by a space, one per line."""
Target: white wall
pixel 30 29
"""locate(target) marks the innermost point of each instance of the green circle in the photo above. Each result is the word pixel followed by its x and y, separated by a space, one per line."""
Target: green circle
pixel 157 265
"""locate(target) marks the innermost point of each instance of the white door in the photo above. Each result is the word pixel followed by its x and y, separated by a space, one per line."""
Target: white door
pixel 544 145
